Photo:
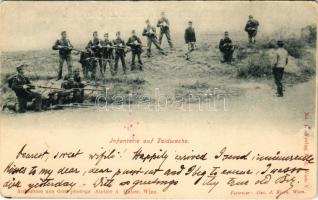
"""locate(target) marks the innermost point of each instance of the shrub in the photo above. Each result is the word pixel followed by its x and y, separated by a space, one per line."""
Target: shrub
pixel 295 47
pixel 257 65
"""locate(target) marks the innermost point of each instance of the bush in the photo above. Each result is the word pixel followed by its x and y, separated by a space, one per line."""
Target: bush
pixel 309 34
pixel 258 65
pixel 295 47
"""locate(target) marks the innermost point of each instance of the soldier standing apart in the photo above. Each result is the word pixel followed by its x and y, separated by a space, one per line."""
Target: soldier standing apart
pixel 21 85
pixel 251 29
pixel 226 48
pixel 163 24
pixel 150 32
pixel 278 70
pixel 107 53
pixel 64 47
pixel 190 39
pixel 94 47
pixel 136 49
pixel 119 45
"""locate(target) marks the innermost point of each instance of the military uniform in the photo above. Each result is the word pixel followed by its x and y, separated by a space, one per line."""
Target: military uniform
pixel 251 29
pixel 64 55
pixel 190 39
pixel 136 49
pixel 107 55
pixel 86 63
pixel 150 33
pixel 94 47
pixel 25 95
pixel 73 92
pixel 163 24
pixel 119 54
pixel 226 48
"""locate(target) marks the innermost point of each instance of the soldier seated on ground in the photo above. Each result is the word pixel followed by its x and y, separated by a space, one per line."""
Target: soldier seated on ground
pixel 22 87
pixel 73 89
pixel 226 48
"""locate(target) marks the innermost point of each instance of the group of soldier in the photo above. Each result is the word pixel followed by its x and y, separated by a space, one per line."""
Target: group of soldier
pixel 100 53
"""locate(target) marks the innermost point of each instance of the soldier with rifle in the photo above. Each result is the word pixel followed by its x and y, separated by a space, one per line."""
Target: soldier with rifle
pixel 135 44
pixel 190 39
pixel 94 48
pixel 226 48
pixel 73 90
pixel 119 46
pixel 86 62
pixel 64 47
pixel 150 32
pixel 251 28
pixel 163 24
pixel 107 54
pixel 22 87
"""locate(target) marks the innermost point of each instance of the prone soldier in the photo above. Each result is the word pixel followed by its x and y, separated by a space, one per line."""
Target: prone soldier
pixel 164 25
pixel 135 44
pixel 119 45
pixel 190 39
pixel 107 53
pixel 94 47
pixel 226 48
pixel 64 47
pixel 251 28
pixel 150 32
pixel 22 87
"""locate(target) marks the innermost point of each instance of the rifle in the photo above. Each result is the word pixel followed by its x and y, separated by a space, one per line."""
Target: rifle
pixel 72 49
pixel 62 89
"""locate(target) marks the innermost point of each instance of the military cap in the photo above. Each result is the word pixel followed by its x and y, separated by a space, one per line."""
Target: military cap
pixel 147 21
pixel 106 34
pixel 226 33
pixel 190 22
pixel 118 33
pixel 133 31
pixel 250 16
pixel 21 67
pixel 63 32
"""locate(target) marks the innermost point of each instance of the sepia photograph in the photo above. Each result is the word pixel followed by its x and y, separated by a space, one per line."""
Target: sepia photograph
pixel 158 99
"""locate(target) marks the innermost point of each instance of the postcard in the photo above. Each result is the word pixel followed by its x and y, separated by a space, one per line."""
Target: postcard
pixel 151 99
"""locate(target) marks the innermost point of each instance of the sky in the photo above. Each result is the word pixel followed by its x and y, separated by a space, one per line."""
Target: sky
pixel 36 25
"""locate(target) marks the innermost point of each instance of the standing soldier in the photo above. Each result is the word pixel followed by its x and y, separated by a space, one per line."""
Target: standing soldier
pixel 64 47
pixel 136 49
pixel 107 53
pixel 21 85
pixel 251 29
pixel 190 39
pixel 226 48
pixel 278 70
pixel 94 47
pixel 119 46
pixel 150 33
pixel 163 24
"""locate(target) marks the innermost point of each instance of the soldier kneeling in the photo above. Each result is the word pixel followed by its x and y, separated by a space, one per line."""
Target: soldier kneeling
pixel 22 87
pixel 226 48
